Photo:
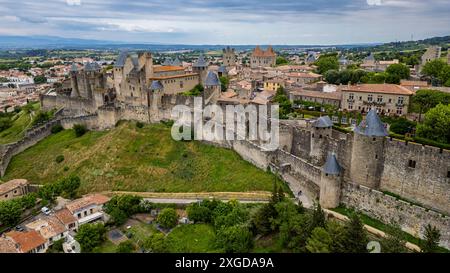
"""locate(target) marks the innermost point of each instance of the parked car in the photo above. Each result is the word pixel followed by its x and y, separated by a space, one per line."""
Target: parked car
pixel 45 210
pixel 19 228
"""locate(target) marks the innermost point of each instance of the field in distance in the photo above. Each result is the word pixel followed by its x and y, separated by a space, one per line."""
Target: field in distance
pixel 128 158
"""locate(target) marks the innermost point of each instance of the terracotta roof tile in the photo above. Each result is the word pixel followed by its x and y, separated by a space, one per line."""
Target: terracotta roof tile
pixel 65 217
pixel 27 240
pixel 12 184
pixel 378 88
pixel 167 68
pixel 89 200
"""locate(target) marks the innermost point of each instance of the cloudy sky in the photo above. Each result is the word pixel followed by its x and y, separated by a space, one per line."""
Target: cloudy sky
pixel 229 21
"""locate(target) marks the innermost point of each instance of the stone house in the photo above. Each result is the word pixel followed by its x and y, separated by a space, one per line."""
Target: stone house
pixel 88 209
pixel 263 58
pixel 28 241
pixel 388 99
pixel 13 188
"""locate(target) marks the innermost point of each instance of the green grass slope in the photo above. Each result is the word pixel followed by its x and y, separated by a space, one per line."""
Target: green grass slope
pixel 128 158
pixel 21 122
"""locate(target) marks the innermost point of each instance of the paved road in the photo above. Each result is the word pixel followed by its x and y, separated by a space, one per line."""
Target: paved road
pixel 188 201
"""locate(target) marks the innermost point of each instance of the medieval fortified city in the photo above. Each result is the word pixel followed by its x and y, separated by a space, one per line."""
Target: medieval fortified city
pixel 136 136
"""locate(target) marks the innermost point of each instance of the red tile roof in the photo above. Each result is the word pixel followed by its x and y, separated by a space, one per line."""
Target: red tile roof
pixel 378 88
pixel 27 240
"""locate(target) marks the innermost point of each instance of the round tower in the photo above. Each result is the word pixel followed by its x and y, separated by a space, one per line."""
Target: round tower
pixel 201 68
pixel 368 151
pixel 212 88
pixel 73 81
pixel 330 183
pixel 321 129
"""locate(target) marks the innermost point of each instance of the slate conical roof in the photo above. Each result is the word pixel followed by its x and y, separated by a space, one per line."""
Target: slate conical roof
pixel 222 69
pixel 332 166
pixel 176 62
pixel 156 85
pixel 370 57
pixel 212 79
pixel 120 62
pixel 92 67
pixel 201 62
pixel 167 61
pixel 323 122
pixel 73 68
pixel 371 126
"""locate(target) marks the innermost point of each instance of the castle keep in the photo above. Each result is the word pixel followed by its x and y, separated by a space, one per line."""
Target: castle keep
pixel 365 169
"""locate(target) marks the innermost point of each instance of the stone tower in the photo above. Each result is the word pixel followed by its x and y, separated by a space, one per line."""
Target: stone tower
pixel 368 151
pixel 201 68
pixel 212 88
pixel 320 131
pixel 229 57
pixel 118 69
pixel 222 71
pixel 154 100
pixel 330 183
pixel 73 81
pixel 145 61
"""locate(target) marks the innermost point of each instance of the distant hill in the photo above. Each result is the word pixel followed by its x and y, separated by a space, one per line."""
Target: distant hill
pixel 52 42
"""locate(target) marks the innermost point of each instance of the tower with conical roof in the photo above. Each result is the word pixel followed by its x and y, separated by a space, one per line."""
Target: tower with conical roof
pixel 212 87
pixel 330 183
pixel 73 81
pixel 321 129
pixel 200 67
pixel 368 151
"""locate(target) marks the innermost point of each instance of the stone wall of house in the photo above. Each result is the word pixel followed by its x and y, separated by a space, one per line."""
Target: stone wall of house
pixel 427 183
pixel 388 209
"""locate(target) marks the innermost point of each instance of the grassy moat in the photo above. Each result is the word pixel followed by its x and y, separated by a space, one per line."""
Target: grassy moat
pixel 128 158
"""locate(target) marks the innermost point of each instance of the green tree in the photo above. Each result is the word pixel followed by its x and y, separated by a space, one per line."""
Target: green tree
pixel 10 212
pixel 337 233
pixel 402 126
pixel 285 105
pixel 156 243
pixel 355 237
pixel 40 79
pixel 326 62
pixel 319 242
pixel 426 99
pixel 318 217
pixel 434 68
pixel 431 242
pixel 125 247
pixel 394 242
pixel 224 81
pixel 167 218
pixel 332 76
pixel 90 236
pixel 436 124
pixel 79 129
pixel 234 239
pixel 70 185
pixel 281 60
pixel 396 72
pixel 57 247
pixel 198 213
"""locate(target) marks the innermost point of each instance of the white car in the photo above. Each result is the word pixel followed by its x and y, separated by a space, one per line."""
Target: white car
pixel 45 210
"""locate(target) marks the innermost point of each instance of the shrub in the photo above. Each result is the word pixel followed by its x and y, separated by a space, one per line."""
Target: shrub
pixel 139 124
pixel 57 128
pixel 66 168
pixel 59 159
pixel 168 218
pixel 125 247
pixel 79 129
